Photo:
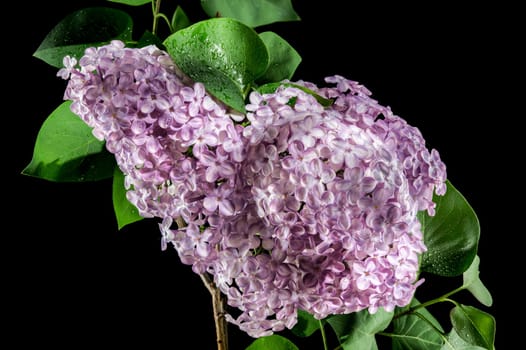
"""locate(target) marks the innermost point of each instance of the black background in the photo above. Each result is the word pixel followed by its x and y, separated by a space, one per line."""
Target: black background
pixel 76 281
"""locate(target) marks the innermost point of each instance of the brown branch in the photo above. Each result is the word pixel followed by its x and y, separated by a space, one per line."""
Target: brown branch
pixel 218 305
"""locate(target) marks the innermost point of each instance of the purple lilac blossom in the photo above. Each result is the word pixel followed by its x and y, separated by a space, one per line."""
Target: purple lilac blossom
pixel 301 206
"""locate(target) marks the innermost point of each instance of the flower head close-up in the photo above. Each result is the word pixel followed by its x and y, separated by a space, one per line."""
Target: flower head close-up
pixel 307 207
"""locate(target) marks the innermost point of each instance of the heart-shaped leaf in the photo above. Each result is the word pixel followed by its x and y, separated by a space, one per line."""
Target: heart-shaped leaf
pixel 272 342
pixel 223 54
pixel 283 58
pixel 472 282
pixel 88 27
pixel 306 324
pixel 475 326
pixel 253 13
pixel 451 235
pixel 66 150
pixel 455 342
pixel 413 332
pixel 148 38
pixel 179 19
pixel 125 212
pixel 357 330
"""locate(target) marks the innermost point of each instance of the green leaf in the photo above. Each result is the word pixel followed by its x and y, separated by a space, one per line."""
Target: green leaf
pixel 148 38
pixel 411 332
pixel 475 326
pixel 472 282
pixel 357 330
pixel 451 236
pixel 223 54
pixel 132 2
pixel 179 20
pixel 283 58
pixel 81 29
pixel 306 324
pixel 253 13
pixel 272 342
pixel 66 150
pixel 270 88
pixel 125 212
pixel 455 342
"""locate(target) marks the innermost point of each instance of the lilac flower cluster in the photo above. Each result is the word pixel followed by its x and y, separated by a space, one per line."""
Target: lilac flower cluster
pixel 291 206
